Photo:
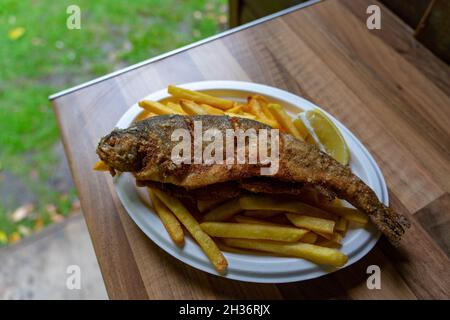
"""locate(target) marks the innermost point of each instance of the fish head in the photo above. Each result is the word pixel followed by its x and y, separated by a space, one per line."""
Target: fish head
pixel 120 150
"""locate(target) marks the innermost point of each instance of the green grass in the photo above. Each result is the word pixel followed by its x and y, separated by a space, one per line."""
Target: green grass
pixel 49 57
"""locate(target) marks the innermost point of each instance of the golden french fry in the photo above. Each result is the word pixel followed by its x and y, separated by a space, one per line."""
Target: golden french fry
pixel 191 108
pixel 226 248
pixel 327 243
pixel 262 100
pixel 211 110
pixel 204 240
pixel 206 205
pixel 256 109
pixel 200 97
pixel 176 107
pixel 334 237
pixel 169 221
pixel 224 211
pixel 252 231
pixel 156 107
pixel 319 255
pixel 258 202
pixel 312 223
pixel 238 108
pixel 350 214
pixel 100 166
pixel 284 120
pixel 269 114
pixel 310 237
pixel 341 225
pixel 144 115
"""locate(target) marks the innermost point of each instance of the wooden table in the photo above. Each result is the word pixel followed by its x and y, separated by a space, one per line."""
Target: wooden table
pixel 382 84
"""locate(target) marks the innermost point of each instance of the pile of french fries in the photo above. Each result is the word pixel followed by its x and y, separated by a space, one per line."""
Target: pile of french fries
pixel 255 224
pixel 251 224
pixel 188 102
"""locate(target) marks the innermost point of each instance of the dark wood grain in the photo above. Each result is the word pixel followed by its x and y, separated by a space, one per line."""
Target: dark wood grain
pixel 378 85
pixel 435 219
pixel 400 37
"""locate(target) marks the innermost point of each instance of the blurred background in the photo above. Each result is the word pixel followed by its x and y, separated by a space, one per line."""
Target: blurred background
pixel 41 227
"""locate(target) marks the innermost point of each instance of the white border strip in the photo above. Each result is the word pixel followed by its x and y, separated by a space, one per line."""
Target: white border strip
pixel 181 49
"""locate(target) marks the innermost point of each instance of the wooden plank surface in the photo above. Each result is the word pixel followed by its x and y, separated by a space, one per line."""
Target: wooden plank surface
pixel 397 104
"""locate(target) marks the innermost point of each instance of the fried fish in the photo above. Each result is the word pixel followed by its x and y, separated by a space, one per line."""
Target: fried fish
pixel 145 149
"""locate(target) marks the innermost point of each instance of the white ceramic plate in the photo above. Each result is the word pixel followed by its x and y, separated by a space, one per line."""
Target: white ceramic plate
pixel 356 244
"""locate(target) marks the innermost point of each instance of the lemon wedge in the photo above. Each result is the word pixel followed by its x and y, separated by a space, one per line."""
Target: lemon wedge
pixel 324 133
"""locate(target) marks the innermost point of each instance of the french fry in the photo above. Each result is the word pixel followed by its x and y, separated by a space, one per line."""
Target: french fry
pixel 269 114
pixel 341 225
pixel 327 243
pixel 144 115
pixel 175 106
pixel 284 120
pixel 257 202
pixel 312 223
pixel 252 231
pixel 238 108
pixel 224 211
pixel 211 110
pixel 156 107
pixel 262 100
pixel 169 221
pixel 222 246
pixel 206 205
pixel 255 109
pixel 188 221
pixel 351 214
pixel 100 166
pixel 319 255
pixel 333 237
pixel 200 97
pixel 309 237
pixel 191 108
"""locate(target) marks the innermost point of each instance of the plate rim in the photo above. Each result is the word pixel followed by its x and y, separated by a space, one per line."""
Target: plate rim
pixel 290 98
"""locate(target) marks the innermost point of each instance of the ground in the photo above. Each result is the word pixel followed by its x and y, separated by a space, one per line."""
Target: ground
pixel 39 56
pixel 39 266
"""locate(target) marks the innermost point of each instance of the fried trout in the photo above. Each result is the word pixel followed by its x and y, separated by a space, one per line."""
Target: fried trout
pixel 145 150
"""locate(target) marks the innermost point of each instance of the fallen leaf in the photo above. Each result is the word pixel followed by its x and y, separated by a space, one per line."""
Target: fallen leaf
pixel 38 224
pixel 57 218
pixel 22 212
pixel 51 208
pixel 16 33
pixel 14 237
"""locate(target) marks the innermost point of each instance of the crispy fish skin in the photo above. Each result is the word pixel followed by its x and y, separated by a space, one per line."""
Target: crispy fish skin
pixel 145 149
